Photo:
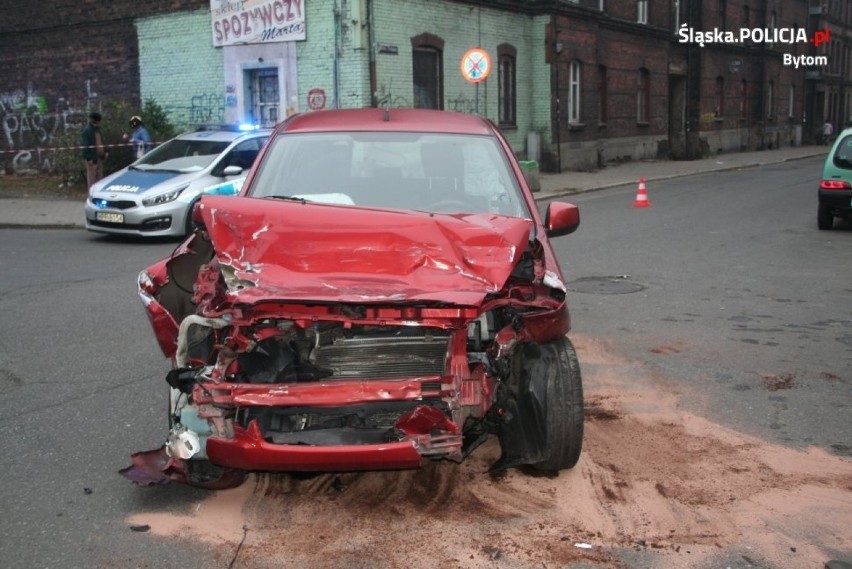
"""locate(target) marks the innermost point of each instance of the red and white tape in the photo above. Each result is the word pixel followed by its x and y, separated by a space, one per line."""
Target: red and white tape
pixel 55 148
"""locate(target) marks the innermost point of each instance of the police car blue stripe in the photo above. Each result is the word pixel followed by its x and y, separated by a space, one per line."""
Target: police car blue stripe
pixel 138 182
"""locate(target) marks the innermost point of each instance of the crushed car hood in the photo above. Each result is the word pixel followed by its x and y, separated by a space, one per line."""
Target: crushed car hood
pixel 283 250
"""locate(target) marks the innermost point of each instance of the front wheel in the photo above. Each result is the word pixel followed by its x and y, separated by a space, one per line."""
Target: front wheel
pixel 563 409
pixel 825 220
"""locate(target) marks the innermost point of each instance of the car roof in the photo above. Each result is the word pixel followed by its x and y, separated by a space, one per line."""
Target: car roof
pixel 399 120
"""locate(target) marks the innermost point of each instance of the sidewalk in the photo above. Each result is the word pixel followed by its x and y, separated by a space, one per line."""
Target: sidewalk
pixel 553 185
pixel 63 213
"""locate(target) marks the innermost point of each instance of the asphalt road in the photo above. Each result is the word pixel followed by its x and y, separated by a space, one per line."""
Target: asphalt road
pixel 741 296
pixel 81 383
pixel 736 290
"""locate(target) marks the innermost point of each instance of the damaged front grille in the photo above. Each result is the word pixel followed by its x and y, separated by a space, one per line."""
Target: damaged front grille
pixel 359 424
pixel 331 352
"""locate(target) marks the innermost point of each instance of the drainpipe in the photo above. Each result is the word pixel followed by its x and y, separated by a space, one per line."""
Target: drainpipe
pixel 371 37
pixel 336 71
pixel 764 77
pixel 556 61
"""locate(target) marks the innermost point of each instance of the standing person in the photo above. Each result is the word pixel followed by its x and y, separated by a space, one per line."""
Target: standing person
pixel 139 137
pixel 827 131
pixel 94 152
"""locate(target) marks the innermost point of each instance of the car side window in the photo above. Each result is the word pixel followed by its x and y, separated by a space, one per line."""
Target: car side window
pixel 242 155
pixel 843 154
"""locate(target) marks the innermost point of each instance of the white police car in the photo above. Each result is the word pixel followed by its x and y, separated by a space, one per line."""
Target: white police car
pixel 153 197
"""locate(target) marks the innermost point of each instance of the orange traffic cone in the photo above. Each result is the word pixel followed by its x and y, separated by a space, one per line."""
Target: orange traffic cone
pixel 641 195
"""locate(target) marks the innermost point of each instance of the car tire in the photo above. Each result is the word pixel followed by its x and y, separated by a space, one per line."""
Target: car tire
pixel 563 409
pixel 825 220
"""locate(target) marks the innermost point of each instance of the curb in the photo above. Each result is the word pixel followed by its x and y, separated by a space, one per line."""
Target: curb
pixel 572 191
pixel 41 226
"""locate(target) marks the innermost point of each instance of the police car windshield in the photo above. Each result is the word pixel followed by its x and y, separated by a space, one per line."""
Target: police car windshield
pixel 182 156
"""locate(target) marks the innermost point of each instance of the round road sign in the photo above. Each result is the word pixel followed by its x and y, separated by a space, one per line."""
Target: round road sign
pixel 475 65
pixel 316 99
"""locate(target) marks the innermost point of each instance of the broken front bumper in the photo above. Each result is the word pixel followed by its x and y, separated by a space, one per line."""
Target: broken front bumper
pixel 248 450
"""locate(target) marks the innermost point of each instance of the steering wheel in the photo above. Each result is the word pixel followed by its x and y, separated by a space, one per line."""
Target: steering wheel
pixel 449 206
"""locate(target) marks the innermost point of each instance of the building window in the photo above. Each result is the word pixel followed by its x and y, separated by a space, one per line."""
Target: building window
pixel 601 5
pixel 770 98
pixel 642 11
pixel 746 16
pixel 506 94
pixel 575 70
pixel 643 99
pixel 428 71
pixel 723 9
pixel 790 102
pixel 743 99
pixel 676 15
pixel 720 97
pixel 848 62
pixel 602 94
pixel 773 21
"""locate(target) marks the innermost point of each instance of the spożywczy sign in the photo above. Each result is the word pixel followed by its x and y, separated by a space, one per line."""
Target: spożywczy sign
pixel 257 21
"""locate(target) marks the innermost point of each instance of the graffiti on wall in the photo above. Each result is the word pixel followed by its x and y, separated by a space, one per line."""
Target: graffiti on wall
pixel 33 131
pixel 28 125
pixel 207 108
pixel 203 108
pixel 385 98
pixel 462 104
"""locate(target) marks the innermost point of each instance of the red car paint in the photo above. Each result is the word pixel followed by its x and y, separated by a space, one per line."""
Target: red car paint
pixel 309 336
pixel 341 254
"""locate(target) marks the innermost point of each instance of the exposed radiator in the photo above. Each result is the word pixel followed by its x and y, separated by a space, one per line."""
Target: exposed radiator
pixel 383 357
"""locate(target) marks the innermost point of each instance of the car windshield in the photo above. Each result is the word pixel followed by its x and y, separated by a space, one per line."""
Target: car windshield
pixel 182 155
pixel 450 173
pixel 843 154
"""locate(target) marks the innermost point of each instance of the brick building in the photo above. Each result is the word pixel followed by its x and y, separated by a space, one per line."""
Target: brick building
pixel 829 88
pixel 574 83
pixel 633 83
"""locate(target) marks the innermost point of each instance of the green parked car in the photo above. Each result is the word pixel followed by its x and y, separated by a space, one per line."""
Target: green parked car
pixel 835 187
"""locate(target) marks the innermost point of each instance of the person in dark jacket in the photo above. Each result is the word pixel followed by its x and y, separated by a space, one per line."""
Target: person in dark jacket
pixel 93 152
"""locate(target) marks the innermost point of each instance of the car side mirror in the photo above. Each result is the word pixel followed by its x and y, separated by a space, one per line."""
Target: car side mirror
pixel 232 171
pixel 196 216
pixel 561 218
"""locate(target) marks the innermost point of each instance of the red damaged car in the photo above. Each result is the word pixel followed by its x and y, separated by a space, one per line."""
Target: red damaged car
pixel 382 292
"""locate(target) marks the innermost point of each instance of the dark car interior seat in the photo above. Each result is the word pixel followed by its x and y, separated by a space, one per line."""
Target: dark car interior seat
pixel 327 169
pixel 443 166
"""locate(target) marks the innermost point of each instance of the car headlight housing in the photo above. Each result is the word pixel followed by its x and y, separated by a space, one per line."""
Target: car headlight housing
pixel 166 197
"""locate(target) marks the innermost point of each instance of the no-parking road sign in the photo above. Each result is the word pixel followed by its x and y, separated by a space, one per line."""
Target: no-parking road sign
pixel 475 65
